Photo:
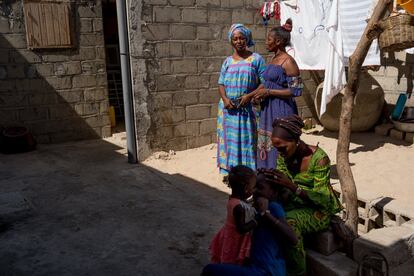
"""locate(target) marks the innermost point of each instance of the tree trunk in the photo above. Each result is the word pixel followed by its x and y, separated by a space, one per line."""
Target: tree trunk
pixel 342 152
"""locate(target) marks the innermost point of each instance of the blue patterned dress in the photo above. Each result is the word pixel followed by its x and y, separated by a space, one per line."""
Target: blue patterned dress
pixel 274 107
pixel 236 128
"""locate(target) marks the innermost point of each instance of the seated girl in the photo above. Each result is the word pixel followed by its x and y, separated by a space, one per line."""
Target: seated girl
pixel 266 256
pixel 232 243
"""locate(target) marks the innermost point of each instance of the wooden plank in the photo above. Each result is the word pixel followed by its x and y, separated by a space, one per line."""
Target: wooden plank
pixel 28 25
pixel 36 26
pixel 49 26
pixel 62 29
pixel 68 19
pixel 43 25
pixel 55 11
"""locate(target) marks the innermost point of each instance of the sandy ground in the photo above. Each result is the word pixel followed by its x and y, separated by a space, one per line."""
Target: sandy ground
pixel 382 166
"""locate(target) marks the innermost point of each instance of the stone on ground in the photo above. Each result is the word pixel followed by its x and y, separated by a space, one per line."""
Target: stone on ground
pixel 13 207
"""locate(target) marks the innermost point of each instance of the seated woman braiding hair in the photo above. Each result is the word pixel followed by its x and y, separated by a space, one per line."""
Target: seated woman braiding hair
pixel 304 172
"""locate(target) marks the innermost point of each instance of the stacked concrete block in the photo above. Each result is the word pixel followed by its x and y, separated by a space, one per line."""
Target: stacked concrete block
pixel 393 247
pixel 394 214
pixel 376 211
pixel 389 130
pixel 397 134
pixel 60 94
pixel 368 218
pixel 324 242
pixel 384 129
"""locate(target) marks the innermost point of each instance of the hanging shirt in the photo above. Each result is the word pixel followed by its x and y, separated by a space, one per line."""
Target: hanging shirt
pixel 334 79
pixel 309 38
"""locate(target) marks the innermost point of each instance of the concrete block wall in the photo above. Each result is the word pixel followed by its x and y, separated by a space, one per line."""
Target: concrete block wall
pixel 395 75
pixel 60 94
pixel 183 44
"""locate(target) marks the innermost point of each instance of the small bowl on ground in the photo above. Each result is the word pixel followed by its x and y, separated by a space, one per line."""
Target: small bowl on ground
pixel 405 125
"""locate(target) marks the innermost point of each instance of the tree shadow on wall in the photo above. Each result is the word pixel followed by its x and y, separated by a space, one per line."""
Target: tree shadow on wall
pixel 404 69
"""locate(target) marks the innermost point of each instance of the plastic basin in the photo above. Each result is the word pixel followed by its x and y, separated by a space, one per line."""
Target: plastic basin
pixel 407 5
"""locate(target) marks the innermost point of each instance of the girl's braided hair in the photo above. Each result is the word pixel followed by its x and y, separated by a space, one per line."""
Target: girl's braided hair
pixel 239 177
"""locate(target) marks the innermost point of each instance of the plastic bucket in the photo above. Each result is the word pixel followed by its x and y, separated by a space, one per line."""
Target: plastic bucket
pixel 407 5
pixel 112 116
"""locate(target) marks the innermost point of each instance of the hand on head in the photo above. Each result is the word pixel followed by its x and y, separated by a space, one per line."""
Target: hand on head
pixel 275 177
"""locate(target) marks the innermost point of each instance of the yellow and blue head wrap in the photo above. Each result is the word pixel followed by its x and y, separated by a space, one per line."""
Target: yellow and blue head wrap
pixel 245 32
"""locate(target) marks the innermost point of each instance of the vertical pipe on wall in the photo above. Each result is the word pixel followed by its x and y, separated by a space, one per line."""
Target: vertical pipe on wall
pixel 126 80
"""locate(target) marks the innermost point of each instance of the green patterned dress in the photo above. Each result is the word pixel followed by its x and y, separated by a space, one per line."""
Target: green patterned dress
pixel 306 217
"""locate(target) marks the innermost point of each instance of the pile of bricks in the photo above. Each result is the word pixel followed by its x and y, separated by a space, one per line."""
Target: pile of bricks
pixel 385 244
pixel 378 211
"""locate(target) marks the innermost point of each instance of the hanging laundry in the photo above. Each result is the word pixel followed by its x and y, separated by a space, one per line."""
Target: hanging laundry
pixel 325 34
pixel 309 38
pixel 345 31
pixel 352 15
pixel 270 10
pixel 334 80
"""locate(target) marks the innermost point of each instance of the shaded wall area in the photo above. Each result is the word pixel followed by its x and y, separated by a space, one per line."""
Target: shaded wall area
pixel 60 95
pixel 396 76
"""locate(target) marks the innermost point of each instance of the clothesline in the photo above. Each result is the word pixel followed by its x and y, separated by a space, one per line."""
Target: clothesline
pixel 324 35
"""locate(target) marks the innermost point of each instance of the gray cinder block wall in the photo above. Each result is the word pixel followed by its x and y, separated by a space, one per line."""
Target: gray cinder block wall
pixel 177 48
pixel 60 94
pixel 395 76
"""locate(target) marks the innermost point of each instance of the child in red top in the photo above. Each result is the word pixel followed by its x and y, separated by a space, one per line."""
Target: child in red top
pixel 231 244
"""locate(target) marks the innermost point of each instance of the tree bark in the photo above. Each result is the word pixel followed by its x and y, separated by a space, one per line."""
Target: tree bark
pixel 342 152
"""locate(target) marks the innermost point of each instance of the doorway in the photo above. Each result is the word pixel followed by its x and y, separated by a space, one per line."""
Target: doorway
pixel 113 65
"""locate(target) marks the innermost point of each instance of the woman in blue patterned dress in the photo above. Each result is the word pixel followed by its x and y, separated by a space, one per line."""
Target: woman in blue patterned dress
pixel 277 95
pixel 241 74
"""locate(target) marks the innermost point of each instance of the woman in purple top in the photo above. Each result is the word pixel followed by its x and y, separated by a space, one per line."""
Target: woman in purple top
pixel 277 95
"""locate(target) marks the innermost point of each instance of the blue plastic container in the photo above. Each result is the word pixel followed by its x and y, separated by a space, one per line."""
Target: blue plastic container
pixel 399 107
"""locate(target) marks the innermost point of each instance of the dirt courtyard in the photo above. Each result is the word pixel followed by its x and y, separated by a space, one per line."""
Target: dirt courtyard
pixel 95 214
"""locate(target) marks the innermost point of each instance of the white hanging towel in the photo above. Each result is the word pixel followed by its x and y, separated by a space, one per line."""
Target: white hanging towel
pixel 308 37
pixel 334 79
pixel 346 25
pixel 353 15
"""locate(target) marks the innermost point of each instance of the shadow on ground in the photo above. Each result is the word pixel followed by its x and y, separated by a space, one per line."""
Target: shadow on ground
pixel 95 214
pixel 364 145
